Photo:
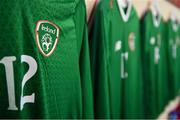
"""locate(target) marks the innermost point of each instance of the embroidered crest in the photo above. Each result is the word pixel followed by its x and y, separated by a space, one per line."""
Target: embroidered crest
pixel 131 41
pixel 47 35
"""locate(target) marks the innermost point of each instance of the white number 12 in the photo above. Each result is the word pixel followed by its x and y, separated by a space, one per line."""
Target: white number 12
pixel 9 69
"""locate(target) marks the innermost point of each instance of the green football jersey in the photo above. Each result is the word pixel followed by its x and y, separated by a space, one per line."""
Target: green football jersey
pixel 44 60
pixel 154 65
pixel 116 62
pixel 177 77
pixel 99 61
pixel 173 40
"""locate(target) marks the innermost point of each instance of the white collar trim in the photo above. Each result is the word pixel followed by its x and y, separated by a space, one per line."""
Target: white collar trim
pixel 155 13
pixel 126 16
pixel 173 19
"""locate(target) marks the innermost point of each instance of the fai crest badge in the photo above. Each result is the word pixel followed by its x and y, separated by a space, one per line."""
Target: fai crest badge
pixel 131 41
pixel 47 34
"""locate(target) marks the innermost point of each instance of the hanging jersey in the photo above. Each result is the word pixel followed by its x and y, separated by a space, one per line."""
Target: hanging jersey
pixel 177 77
pixel 154 65
pixel 44 52
pixel 173 40
pixel 98 56
pixel 124 59
pixel 116 63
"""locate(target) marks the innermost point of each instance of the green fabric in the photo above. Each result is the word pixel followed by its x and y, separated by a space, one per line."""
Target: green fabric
pixel 177 78
pixel 99 62
pixel 131 86
pixel 173 40
pixel 154 67
pixel 81 28
pixel 116 97
pixel 62 82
